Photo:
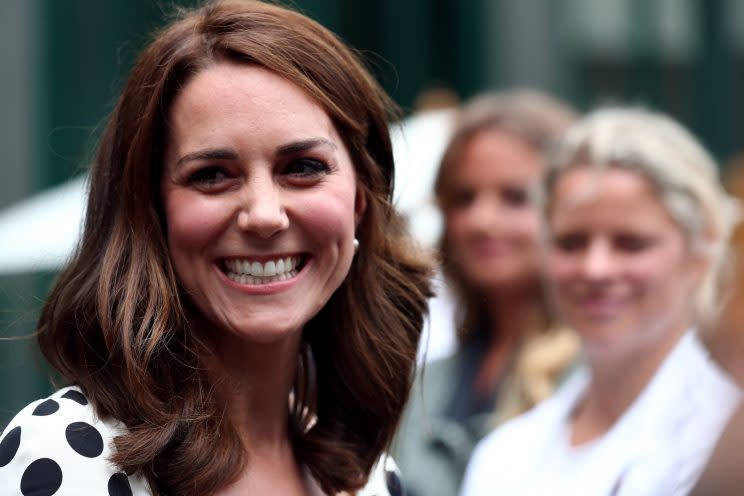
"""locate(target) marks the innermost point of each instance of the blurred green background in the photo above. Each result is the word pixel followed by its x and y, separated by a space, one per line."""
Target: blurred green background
pixel 64 61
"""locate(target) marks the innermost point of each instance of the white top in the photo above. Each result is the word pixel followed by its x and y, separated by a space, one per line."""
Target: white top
pixel 658 447
pixel 58 446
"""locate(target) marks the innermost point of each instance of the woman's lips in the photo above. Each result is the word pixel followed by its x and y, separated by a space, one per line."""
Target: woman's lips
pixel 489 249
pixel 599 306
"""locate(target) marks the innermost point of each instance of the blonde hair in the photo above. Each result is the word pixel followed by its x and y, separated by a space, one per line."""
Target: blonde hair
pixel 682 173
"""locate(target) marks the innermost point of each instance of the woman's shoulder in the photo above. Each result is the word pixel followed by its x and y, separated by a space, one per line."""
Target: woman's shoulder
pixel 58 445
pixel 510 448
pixel 511 436
pixel 516 444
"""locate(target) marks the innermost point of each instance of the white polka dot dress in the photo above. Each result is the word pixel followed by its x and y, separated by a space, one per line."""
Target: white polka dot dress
pixel 58 446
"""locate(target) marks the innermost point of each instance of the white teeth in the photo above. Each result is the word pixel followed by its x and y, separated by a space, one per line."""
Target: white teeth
pixel 269 269
pixel 257 269
pixel 247 272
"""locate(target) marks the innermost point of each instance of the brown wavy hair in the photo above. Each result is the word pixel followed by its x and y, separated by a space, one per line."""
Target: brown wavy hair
pixel 546 350
pixel 117 323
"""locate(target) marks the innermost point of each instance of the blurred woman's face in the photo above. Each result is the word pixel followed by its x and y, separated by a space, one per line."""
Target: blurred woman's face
pixel 260 199
pixel 620 270
pixel 491 227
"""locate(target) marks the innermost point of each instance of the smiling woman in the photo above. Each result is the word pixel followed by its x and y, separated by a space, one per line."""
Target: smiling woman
pixel 269 178
pixel 243 311
pixel 637 225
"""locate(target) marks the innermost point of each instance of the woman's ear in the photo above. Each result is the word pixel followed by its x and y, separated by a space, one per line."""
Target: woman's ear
pixel 704 252
pixel 360 205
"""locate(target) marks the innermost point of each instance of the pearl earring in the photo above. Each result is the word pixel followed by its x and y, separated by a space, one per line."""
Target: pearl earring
pixel 356 245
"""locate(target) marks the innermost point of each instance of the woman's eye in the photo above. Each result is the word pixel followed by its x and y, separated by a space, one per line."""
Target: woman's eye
pixel 570 242
pixel 208 177
pixel 463 198
pixel 632 243
pixel 515 197
pixel 306 167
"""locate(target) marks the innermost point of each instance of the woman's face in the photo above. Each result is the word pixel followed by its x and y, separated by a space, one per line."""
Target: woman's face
pixel 491 227
pixel 619 267
pixel 260 199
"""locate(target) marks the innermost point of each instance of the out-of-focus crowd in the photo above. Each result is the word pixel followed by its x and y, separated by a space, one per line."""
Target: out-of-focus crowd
pixel 589 265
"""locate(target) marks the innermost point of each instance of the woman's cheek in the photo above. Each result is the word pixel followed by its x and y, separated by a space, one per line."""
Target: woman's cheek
pixel 327 216
pixel 196 219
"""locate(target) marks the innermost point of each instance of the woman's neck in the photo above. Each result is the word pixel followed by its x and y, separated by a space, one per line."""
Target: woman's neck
pixel 511 314
pixel 618 377
pixel 253 381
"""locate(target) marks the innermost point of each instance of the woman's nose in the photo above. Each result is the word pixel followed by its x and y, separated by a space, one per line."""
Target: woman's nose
pixel 484 213
pixel 262 211
pixel 598 262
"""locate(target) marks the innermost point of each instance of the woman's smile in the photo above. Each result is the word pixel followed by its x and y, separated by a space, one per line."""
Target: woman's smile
pixel 601 306
pixel 254 272
pixel 252 276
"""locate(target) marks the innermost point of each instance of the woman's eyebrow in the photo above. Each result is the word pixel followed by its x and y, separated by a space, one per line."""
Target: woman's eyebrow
pixel 304 145
pixel 230 154
pixel 208 154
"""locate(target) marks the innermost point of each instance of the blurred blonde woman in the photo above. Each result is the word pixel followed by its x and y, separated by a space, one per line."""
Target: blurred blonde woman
pixel 510 354
pixel 637 226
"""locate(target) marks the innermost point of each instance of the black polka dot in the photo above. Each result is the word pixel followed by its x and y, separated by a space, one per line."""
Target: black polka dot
pixel 394 485
pixel 9 445
pixel 85 439
pixel 45 408
pixel 76 396
pixel 42 478
pixel 118 485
